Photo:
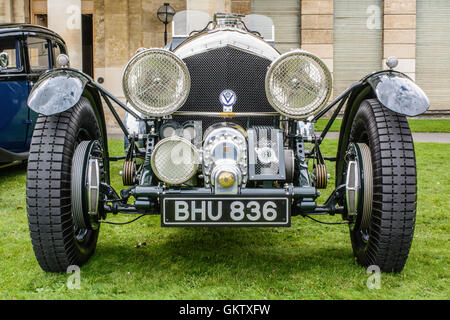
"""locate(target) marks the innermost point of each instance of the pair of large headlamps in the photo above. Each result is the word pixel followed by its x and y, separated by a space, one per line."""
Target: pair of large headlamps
pixel 156 82
pixel 298 84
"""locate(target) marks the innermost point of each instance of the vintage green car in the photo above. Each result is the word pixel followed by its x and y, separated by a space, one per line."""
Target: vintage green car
pixel 220 132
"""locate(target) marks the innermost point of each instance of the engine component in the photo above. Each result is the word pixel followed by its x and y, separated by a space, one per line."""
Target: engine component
pixel 169 128
pixel 266 155
pixel 359 183
pixel 133 125
pixel 225 157
pixel 128 172
pixel 174 160
pixel 306 130
pixel 298 84
pixel 289 160
pixel 156 82
pixel 85 184
pixel 226 179
pixel 192 131
pixel 320 174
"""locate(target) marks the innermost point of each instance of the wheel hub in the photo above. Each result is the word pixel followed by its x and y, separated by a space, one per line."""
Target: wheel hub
pixel 359 185
pixel 86 179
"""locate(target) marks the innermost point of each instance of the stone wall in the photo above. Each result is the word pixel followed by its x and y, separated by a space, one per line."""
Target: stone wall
pixel 317 29
pixel 123 26
pixel 14 11
pixel 64 18
pixel 241 6
pixel 400 34
pixel 120 28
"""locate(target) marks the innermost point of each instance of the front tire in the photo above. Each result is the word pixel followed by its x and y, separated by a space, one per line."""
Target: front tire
pixel 57 243
pixel 387 240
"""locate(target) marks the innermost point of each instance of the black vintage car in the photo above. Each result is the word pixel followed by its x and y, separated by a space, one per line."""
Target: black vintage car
pixel 26 51
pixel 224 136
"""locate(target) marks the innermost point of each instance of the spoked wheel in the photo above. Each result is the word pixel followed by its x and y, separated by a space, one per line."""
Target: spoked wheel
pixel 381 187
pixel 63 149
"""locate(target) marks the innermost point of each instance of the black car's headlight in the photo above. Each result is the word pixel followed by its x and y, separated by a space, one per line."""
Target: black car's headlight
pixel 298 84
pixel 156 82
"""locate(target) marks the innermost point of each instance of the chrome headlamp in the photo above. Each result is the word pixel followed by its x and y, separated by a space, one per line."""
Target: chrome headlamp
pixel 298 84
pixel 174 160
pixel 156 82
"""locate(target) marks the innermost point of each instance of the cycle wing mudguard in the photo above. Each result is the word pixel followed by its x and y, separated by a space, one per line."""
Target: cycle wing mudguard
pixel 57 91
pixel 398 92
pixel 394 90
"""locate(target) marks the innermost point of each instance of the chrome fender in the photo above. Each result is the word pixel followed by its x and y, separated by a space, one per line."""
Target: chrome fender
pixel 57 91
pixel 398 92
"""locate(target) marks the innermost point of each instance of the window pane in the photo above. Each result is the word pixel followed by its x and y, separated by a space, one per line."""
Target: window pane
pixel 38 53
pixel 56 52
pixel 8 46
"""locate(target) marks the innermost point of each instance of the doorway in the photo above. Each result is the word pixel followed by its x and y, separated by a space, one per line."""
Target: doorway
pixel 87 44
pixel 285 15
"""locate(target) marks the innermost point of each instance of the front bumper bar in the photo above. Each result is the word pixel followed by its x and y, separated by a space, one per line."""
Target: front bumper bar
pixel 149 197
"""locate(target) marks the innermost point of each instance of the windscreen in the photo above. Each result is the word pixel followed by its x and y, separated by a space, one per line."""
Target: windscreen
pixel 184 22
pixel 261 24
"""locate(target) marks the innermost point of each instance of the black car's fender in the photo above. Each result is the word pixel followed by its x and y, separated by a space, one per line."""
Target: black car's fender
pixel 60 89
pixel 395 90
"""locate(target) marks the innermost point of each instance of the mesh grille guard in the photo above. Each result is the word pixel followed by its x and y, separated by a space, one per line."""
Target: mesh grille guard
pixel 227 68
pixel 266 155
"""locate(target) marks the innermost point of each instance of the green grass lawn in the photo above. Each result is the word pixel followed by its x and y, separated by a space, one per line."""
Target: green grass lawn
pixel 416 125
pixel 306 261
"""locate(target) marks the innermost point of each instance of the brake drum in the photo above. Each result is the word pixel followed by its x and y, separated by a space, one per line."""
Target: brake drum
pixel 85 183
pixel 359 184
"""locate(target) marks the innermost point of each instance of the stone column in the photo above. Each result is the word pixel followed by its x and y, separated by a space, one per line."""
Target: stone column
pixel 317 29
pixel 209 6
pixel 14 11
pixel 99 39
pixel 64 17
pixel 241 6
pixel 116 43
pixel 400 34
pixel 21 10
pixel 6 13
pixel 135 40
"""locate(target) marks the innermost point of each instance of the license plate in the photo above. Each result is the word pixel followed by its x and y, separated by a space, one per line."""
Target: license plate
pixel 226 211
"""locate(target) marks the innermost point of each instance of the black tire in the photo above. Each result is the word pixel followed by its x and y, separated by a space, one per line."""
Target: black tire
pixel 57 244
pixel 388 239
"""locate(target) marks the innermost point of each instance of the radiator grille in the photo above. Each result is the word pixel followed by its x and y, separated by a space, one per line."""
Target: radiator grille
pixel 227 68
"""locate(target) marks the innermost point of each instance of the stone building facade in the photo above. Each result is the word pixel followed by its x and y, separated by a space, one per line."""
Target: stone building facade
pixel 378 30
